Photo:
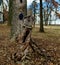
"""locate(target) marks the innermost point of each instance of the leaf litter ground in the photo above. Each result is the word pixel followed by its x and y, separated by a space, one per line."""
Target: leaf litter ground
pixel 49 41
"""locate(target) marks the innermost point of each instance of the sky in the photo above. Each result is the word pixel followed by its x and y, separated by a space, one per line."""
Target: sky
pixel 5 1
pixel 30 1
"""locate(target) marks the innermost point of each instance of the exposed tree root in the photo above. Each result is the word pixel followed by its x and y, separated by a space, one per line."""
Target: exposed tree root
pixel 36 49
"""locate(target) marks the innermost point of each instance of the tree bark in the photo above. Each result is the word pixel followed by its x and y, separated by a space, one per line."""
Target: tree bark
pixel 16 24
pixel 41 18
pixel 46 22
pixel 10 12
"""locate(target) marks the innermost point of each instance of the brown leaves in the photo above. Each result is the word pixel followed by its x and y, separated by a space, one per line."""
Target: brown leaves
pixel 55 3
pixel 50 63
pixel 48 41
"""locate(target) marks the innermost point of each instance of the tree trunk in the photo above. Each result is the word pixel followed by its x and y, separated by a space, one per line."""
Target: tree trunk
pixel 41 18
pixel 50 18
pixel 34 16
pixel 46 22
pixel 10 12
pixel 25 7
pixel 16 24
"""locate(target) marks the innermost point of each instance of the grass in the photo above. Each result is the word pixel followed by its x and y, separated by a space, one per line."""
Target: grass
pixel 51 33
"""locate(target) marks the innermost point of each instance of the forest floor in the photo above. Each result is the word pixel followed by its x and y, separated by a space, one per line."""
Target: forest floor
pixel 49 42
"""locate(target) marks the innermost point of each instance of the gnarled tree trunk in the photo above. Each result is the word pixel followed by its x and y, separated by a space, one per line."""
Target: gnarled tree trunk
pixel 17 8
